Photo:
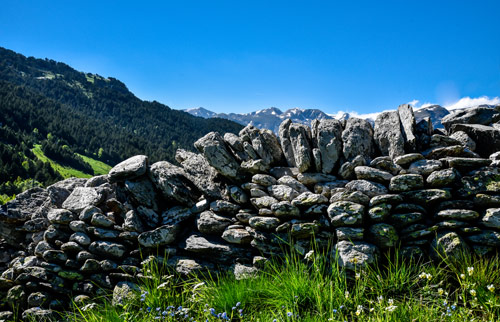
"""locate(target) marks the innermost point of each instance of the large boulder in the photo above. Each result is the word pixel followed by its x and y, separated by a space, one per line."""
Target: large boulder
pixel 173 183
pixel 264 143
pixel 409 126
pixel 300 138
pixel 476 115
pixel 388 135
pixel 131 168
pixel 481 133
pixel 81 198
pixel 357 139
pixel 163 235
pixel 354 255
pixel 286 144
pixel 214 149
pixel 329 142
pixel 448 245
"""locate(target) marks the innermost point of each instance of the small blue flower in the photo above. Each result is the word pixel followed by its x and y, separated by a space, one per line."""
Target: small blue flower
pixel 238 304
pixel 334 311
pixel 453 307
pixel 289 314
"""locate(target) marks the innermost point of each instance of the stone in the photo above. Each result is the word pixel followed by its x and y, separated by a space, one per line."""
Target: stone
pixel 225 207
pixel 402 220
pixel 131 168
pixel 244 271
pixel 236 145
pixel 163 235
pixel 176 215
pixel 486 237
pixel 210 223
pixel 371 189
pixel 438 140
pixel 349 233
pixel 107 248
pixel 466 163
pixel 474 115
pixel 173 183
pixel 442 178
pixel 257 193
pixel 264 143
pixel 282 192
pixel 487 201
pixel 459 214
pixel 300 139
pixel 90 265
pixel 317 159
pixel 481 133
pixel 37 314
pixel 390 199
pixel 55 256
pixel 81 198
pixel 427 196
pixel 485 180
pixel 304 230
pixel 448 245
pixel 357 139
pixel 264 180
pixel 133 222
pixel 100 220
pixel 142 192
pixel 60 216
pixel 279 172
pixel 345 213
pixel 38 299
pixel 464 139
pixel 78 226
pixel 353 196
pixel 383 235
pixel 385 163
pixel 216 152
pixel 285 209
pixel 354 255
pixel 407 159
pixel 310 179
pixel 388 134
pixel 71 247
pixel 292 183
pixel 238 195
pixel 237 236
pixel 380 212
pixel 443 152
pixel 425 167
pixel 254 166
pixel 308 199
pixel 87 213
pixel 200 245
pixel 406 182
pixel 491 218
pixel 286 144
pixel 103 233
pixel 263 202
pixel 264 223
pixel 408 125
pixel 409 207
pixel 328 139
pixel 372 174
pixel 124 293
pixel 149 217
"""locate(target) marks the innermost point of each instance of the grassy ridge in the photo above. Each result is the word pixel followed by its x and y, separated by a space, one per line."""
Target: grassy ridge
pixel 68 172
pixel 313 290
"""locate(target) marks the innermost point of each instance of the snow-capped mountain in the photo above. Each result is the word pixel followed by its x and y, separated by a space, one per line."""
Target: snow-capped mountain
pixel 269 118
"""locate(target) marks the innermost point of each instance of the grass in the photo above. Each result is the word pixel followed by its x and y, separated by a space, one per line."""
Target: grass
pixel 68 172
pixel 293 289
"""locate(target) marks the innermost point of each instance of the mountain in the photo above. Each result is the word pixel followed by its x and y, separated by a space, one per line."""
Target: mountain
pixel 269 118
pixel 71 116
pixel 435 112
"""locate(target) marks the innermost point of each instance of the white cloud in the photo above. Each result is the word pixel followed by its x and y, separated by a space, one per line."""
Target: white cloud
pixel 469 102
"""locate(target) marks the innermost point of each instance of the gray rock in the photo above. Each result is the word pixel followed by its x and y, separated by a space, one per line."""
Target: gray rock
pixel 372 174
pixel 486 237
pixel 38 299
pixel 87 213
pixel 133 222
pixel 310 179
pixel 91 265
pixel 463 138
pixel 237 236
pixel 263 202
pixel 407 159
pixel 257 193
pixel 264 143
pixel 328 139
pixel 236 145
pixel 149 217
pixel 492 218
pixel 481 133
pixel 279 172
pixel 198 170
pixel 466 164
pixel 124 293
pixel 254 166
pixel 371 189
pixel 355 255
pixel 200 245
pixel 37 314
pixel 172 182
pixel 349 233
pixel 406 182
pixel 380 212
pixel 486 180
pixel 383 235
pixel 487 201
pixel 390 199
pixel 107 248
pixel 215 151
pixel 408 125
pixel 142 192
pixel 55 256
pixel 353 196
pixel 388 134
pixel 103 233
pixel 300 138
pixel 345 213
pixel 81 198
pixel 448 245
pixel 285 209
pixel 176 215
pixel 78 226
pixel 304 230
pixel 307 199
pixel 282 192
pixel 264 180
pixel 210 223
pixel 357 139
pixel 238 195
pixel 402 220
pixel 293 183
pixel 442 178
pixel 428 196
pixel 163 235
pixel 60 216
pixel 476 115
pixel 100 220
pixel 131 168
pixel 244 271
pixel 386 164
pixel 443 152
pixel 459 214
pixel 225 207
pixel 71 247
pixel 439 140
pixel 286 144
pixel 425 167
pixel 264 223
pixel 317 159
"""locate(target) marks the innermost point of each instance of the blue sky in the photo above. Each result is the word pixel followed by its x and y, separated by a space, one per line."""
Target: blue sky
pixel 241 56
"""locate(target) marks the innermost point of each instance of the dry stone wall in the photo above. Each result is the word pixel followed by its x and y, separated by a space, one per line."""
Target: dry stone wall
pixel 359 189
